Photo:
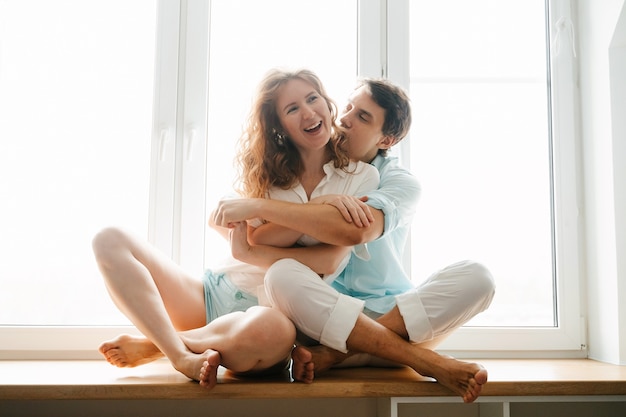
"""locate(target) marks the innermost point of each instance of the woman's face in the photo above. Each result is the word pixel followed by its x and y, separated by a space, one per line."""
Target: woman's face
pixel 304 115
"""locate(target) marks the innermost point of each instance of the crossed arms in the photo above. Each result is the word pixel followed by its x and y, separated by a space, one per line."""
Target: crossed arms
pixel 339 222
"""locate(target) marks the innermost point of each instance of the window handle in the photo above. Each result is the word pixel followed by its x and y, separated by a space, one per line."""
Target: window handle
pixel 190 138
pixel 164 139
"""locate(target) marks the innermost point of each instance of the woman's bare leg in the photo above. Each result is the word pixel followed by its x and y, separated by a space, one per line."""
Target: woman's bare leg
pixel 154 293
pixel 128 351
pixel 251 340
pixel 255 340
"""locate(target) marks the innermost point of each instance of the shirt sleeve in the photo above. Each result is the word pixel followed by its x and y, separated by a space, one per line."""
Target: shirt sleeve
pixel 370 179
pixel 397 196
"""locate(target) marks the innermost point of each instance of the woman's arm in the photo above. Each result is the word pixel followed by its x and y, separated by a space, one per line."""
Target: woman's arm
pixel 322 258
pixel 273 234
pixel 353 209
pixel 322 221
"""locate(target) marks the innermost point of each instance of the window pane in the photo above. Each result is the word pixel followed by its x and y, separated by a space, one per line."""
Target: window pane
pixel 76 87
pixel 480 147
pixel 243 47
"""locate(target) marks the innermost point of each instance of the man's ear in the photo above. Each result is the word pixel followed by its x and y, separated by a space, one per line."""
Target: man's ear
pixel 386 142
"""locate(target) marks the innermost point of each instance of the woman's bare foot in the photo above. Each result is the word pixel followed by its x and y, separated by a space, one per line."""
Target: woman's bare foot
pixel 303 366
pixel 208 371
pixel 201 367
pixel 126 351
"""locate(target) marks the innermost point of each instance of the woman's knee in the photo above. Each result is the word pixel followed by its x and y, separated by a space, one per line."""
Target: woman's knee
pixel 108 241
pixel 268 327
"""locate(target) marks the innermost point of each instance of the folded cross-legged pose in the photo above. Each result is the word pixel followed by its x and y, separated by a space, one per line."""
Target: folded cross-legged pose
pixel 290 150
pixel 371 313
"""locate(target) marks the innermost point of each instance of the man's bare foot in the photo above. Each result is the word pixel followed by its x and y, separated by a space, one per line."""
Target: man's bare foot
pixel 126 351
pixel 208 372
pixel 463 378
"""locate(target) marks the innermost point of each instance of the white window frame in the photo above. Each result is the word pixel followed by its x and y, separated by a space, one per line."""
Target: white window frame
pixel 178 179
pixel 568 338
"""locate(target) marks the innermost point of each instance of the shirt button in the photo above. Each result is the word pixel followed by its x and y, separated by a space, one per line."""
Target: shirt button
pixel 238 295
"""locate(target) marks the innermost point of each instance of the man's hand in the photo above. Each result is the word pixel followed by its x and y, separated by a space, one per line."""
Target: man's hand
pixel 353 209
pixel 232 211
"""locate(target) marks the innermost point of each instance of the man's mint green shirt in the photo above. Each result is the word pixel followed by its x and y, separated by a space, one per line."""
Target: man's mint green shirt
pixel 377 281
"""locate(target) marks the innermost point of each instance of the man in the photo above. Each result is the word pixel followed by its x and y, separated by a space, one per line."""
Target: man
pixel 372 307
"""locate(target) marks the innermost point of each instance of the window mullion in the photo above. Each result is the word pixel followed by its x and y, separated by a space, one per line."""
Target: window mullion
pixel 371 48
pixel 163 155
pixel 192 155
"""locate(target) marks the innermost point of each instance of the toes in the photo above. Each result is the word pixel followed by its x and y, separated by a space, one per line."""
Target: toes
pixel 481 377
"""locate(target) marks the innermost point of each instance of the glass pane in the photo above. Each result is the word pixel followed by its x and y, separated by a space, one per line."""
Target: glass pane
pixel 243 47
pixel 480 147
pixel 76 89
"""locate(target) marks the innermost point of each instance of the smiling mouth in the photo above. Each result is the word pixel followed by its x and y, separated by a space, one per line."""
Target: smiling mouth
pixel 314 128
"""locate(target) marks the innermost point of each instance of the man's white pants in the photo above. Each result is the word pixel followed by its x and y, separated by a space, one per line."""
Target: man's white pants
pixel 441 304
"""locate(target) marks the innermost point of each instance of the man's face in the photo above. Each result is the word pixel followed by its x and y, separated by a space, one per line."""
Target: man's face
pixel 362 121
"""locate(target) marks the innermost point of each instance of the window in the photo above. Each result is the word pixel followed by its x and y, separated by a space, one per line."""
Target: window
pixel 142 136
pixel 76 120
pixel 481 147
pixel 486 146
pixel 330 53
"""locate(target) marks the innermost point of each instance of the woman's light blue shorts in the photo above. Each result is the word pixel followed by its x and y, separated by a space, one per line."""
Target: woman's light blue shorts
pixel 221 296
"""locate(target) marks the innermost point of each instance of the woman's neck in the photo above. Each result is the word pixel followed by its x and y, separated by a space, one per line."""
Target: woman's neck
pixel 313 172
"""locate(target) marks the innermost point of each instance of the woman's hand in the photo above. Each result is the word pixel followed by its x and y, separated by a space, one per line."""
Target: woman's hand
pixel 353 209
pixel 239 246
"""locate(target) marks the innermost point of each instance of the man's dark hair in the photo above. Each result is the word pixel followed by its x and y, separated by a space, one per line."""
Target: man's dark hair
pixel 396 103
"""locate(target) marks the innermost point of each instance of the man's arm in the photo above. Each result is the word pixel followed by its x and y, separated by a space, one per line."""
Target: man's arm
pixel 323 222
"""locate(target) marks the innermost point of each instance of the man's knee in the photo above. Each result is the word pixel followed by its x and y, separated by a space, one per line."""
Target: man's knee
pixel 469 281
pixel 477 286
pixel 281 280
pixel 482 279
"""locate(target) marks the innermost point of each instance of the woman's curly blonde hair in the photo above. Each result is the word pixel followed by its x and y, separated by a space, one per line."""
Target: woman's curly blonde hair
pixel 265 158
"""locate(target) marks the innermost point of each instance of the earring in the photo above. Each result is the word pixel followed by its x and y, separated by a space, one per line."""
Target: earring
pixel 279 138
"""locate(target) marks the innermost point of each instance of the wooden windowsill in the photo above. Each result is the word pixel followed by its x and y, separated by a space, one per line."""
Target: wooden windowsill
pixel 47 380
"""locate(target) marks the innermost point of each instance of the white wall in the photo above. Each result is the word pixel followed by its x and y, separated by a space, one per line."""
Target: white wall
pixel 617 66
pixel 604 184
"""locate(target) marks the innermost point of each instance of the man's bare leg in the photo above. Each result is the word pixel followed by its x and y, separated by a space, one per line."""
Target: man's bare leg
pixel 368 336
pixel 326 358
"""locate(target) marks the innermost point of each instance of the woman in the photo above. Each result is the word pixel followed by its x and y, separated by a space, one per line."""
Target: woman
pixel 290 150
